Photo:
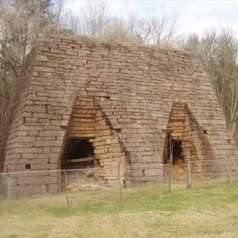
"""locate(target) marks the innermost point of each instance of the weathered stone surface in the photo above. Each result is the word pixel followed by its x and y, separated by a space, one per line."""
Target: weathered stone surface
pixel 122 97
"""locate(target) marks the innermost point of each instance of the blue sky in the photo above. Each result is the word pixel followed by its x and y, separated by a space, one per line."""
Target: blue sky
pixel 191 16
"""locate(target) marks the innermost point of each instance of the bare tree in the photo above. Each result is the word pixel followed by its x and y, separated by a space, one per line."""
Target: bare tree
pixel 95 21
pixel 218 51
pixel 21 23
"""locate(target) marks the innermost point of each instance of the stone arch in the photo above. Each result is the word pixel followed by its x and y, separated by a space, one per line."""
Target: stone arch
pixel 186 139
pixel 93 142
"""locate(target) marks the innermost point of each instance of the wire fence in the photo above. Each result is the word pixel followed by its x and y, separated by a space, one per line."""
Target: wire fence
pixel 162 178
pixel 203 174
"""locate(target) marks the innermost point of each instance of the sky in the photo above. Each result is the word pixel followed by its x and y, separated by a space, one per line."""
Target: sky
pixel 191 16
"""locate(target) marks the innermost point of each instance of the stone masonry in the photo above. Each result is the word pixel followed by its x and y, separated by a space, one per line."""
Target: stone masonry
pixel 124 99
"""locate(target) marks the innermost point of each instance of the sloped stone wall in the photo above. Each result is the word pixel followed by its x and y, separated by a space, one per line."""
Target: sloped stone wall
pixel 89 121
pixel 108 151
pixel 183 127
pixel 2 145
pixel 135 87
pixel 82 122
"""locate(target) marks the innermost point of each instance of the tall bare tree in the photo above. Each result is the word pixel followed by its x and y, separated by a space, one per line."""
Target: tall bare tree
pixel 21 23
pixel 95 21
pixel 218 51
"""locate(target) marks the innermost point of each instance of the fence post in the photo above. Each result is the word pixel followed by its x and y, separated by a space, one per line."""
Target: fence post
pixel 8 187
pixel 189 175
pixel 66 187
pixel 170 163
pixel 170 175
pixel 228 169
pixel 119 180
pixel 59 180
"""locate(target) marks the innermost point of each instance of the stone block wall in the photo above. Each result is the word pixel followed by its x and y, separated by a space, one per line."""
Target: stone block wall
pixel 108 151
pixel 134 86
pixel 183 127
pixel 89 121
pixel 82 123
pixel 2 145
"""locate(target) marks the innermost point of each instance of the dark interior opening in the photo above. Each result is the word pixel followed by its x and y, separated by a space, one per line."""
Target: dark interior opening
pixel 78 153
pixel 177 151
pixel 173 146
pixel 79 148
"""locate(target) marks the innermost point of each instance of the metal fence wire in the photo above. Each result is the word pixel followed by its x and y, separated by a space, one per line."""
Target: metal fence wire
pixel 162 177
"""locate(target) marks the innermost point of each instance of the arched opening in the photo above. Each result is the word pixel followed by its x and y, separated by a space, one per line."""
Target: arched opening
pixel 79 142
pixel 174 153
pixel 78 153
pixel 180 139
pixel 177 151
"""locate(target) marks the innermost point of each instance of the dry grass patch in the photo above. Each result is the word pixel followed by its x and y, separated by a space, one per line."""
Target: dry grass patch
pixel 146 211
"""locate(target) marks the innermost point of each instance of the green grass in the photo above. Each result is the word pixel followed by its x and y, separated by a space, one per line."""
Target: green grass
pixel 147 211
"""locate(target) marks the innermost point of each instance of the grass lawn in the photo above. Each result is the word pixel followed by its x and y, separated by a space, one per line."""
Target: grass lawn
pixel 147 211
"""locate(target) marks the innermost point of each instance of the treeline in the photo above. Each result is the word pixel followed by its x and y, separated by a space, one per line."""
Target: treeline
pixel 218 51
pixel 22 22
